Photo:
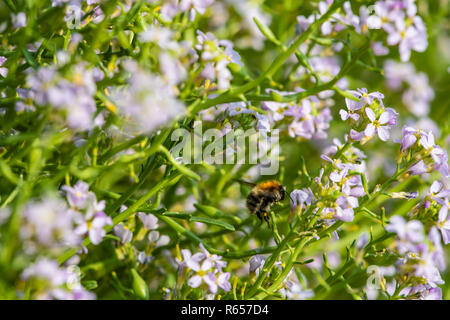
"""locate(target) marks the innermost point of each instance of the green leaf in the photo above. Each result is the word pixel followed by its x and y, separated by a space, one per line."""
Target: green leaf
pixel 213 222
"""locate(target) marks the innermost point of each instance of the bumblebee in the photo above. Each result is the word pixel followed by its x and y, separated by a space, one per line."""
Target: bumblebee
pixel 262 196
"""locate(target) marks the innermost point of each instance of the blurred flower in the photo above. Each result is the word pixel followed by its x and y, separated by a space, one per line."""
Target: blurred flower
pixel 123 233
pixel 55 282
pixel 50 222
pixel 95 227
pixel 147 102
pixel 294 291
pixel 410 231
pixel 150 221
pixel 77 195
pixel 3 71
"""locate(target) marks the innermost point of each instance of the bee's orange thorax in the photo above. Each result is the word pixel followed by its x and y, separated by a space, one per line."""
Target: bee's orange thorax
pixel 269 184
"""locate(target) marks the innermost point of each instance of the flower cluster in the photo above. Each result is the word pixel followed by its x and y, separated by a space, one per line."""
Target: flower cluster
pixel 207 269
pixel 308 119
pixel 73 93
pixel 418 95
pixel 92 220
pixel 334 196
pixel 404 27
pixel 420 257
pixel 173 7
pixel 423 152
pixel 55 282
pixel 215 55
pixel 147 102
pixel 50 223
pixel 368 116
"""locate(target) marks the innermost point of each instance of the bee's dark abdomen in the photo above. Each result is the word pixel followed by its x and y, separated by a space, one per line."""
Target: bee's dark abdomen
pixel 253 202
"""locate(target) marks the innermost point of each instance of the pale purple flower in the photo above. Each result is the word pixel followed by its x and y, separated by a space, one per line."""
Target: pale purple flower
pixel 46 269
pixel 203 274
pixel 74 94
pixel 432 294
pixel 77 195
pixel 379 49
pixel 256 263
pixel 216 260
pixel 410 231
pixel 408 38
pixel 439 193
pixel 382 18
pixel 194 6
pixel 352 107
pixel 95 227
pixel 443 224
pixel 147 103
pixel 304 22
pixel 161 36
pixel 3 71
pixel 192 261
pixel 56 282
pixel 19 20
pixel 294 291
pixel 367 97
pixel 409 137
pixel 26 104
pixel 149 220
pixel 379 126
pixel 355 135
pixel 301 197
pixel 50 223
pixel 344 209
pixel 223 281
pixel 157 239
pixel 438 253
pixel 418 168
pixel 362 240
pixel 427 142
pixel 427 269
pixel 123 233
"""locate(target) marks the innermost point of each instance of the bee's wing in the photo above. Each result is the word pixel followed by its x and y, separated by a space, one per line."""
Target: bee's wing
pixel 251 184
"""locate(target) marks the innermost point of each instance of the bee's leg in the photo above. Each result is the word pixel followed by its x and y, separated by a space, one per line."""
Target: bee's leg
pixel 267 218
pixel 258 214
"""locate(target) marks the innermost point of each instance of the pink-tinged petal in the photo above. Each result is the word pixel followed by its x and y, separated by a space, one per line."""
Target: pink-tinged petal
pixel 418 168
pixel 81 229
pixel 384 118
pixel 96 235
pixel 353 202
pixel 374 22
pixel 370 114
pixel 443 213
pixel 355 135
pixel 436 186
pixel 344 114
pixel 404 50
pixel 408 141
pixel 195 281
pixel 393 38
pixel 370 130
pixel 431 138
pixel 383 133
pixel 345 215
pixel 354 116
pixel 207 265
pixel 353 105
pixel 335 176
pixel 210 280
